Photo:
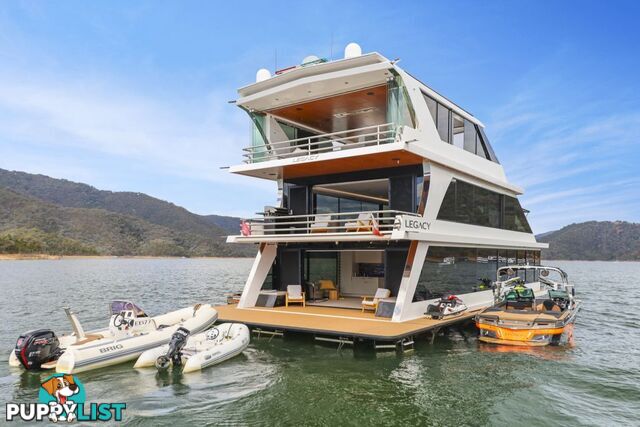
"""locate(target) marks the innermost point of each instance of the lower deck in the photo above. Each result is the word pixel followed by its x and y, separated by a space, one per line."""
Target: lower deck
pixel 338 322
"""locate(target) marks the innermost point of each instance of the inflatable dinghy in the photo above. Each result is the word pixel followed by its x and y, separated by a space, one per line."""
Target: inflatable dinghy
pixel 196 352
pixel 130 333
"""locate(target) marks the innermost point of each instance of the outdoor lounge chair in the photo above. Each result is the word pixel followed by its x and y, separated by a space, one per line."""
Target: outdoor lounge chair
pixel 294 294
pixel 362 223
pixel 321 223
pixel 369 303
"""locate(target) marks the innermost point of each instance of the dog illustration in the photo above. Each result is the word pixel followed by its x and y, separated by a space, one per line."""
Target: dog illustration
pixel 61 388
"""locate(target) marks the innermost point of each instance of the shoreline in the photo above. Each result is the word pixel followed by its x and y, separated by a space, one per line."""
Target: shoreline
pixel 47 257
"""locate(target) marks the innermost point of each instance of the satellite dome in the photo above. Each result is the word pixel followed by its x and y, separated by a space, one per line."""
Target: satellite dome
pixel 309 59
pixel 262 75
pixel 352 50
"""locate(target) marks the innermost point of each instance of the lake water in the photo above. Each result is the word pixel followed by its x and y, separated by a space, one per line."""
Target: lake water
pixel 455 381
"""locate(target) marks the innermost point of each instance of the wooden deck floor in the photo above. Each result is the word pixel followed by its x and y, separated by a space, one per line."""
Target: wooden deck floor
pixel 334 321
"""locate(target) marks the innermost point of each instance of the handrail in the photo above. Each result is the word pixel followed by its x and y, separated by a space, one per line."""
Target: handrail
pixel 379 134
pixel 381 221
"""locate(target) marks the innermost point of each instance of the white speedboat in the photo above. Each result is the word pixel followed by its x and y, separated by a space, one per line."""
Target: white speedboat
pixel 130 333
pixel 196 352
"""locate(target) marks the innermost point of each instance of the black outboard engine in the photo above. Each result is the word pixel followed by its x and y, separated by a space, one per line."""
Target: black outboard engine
pixel 34 348
pixel 174 355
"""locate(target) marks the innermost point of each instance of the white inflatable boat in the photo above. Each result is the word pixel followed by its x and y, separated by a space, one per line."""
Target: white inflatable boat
pixel 130 333
pixel 196 352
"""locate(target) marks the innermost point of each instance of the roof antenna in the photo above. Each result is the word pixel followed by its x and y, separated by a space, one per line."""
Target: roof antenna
pixel 331 49
pixel 275 60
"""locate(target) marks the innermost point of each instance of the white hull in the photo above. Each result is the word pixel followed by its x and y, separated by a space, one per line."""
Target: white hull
pixel 103 349
pixel 201 352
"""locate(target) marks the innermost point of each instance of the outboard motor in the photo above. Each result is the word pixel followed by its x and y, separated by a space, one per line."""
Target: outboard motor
pixel 34 348
pixel 174 355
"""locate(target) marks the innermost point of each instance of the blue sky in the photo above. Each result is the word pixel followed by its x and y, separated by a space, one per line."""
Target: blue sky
pixel 133 95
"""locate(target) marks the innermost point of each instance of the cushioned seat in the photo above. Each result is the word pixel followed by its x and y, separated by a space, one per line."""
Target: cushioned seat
pixel 294 295
pixel 369 303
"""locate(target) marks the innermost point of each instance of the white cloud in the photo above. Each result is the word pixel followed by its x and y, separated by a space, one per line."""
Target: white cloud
pixel 191 139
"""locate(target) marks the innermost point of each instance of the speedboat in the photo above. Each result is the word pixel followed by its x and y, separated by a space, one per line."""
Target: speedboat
pixel 523 317
pixel 196 352
pixel 130 332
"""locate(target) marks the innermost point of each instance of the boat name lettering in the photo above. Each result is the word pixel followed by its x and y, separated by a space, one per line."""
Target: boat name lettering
pixel 111 348
pixel 416 225
pixel 304 158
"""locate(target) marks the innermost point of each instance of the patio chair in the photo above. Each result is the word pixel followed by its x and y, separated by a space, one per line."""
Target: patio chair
pixel 294 295
pixel 362 223
pixel 371 303
pixel 321 223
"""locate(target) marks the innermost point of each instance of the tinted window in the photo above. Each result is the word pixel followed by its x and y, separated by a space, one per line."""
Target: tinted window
pixel 469 204
pixel 432 105
pixel 486 206
pixel 443 122
pixel 454 271
pixel 514 217
pixel 469 137
pixel 481 148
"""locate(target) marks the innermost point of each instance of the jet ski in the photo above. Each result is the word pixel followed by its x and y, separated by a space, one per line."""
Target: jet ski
pixel 130 332
pixel 199 351
pixel 523 317
pixel 446 306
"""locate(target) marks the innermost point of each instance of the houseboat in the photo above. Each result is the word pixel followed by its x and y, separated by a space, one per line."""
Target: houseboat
pixel 389 197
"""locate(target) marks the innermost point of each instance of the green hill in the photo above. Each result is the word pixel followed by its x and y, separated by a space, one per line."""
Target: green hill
pixel 594 240
pixel 43 214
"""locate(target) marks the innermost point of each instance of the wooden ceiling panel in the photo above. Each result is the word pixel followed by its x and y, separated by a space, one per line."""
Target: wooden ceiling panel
pixel 351 164
pixel 351 110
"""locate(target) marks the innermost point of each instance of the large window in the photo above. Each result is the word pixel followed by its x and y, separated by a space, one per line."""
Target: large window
pixel 470 204
pixel 455 129
pixel 449 270
pixel 321 266
pixel 356 196
pixel 514 216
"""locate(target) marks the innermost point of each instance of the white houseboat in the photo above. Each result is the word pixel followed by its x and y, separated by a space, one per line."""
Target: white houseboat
pixel 389 196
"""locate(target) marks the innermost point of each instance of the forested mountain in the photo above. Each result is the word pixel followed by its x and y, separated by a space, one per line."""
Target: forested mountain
pixel 594 240
pixel 39 213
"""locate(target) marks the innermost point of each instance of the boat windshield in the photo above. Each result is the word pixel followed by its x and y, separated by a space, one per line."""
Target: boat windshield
pixel 520 293
pixel 118 306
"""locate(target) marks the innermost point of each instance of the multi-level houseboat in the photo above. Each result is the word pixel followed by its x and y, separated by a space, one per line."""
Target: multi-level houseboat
pixel 389 196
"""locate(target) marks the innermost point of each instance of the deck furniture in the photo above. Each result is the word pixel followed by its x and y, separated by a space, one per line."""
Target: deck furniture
pixel 371 303
pixel 362 223
pixel 321 223
pixel 326 286
pixel 294 295
pixel 333 294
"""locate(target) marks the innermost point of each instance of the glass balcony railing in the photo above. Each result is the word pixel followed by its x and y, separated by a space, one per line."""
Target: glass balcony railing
pixel 324 143
pixel 378 223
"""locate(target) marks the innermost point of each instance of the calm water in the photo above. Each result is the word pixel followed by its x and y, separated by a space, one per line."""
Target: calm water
pixel 456 381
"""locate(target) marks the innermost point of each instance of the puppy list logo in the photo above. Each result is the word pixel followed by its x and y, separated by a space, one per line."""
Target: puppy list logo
pixel 62 398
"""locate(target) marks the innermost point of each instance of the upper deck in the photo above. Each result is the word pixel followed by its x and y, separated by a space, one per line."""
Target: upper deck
pixel 354 114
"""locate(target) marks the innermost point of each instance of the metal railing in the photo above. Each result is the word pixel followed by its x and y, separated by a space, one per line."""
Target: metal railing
pixel 365 222
pixel 324 143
